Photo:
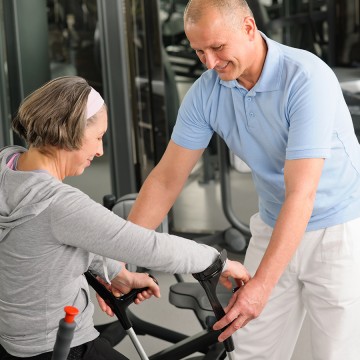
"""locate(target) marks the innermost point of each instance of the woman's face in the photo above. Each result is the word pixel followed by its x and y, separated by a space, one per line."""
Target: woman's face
pixel 92 145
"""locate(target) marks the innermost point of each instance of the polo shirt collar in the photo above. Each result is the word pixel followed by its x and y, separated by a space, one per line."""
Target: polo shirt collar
pixel 271 74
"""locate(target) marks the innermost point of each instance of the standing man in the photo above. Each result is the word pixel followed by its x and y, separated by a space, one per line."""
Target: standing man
pixel 282 111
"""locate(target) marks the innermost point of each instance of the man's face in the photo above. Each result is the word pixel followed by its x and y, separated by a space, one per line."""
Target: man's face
pixel 220 45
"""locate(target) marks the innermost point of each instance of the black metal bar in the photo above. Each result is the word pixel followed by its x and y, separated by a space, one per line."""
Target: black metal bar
pixel 27 66
pixel 199 342
pixel 209 279
pixel 115 65
pixel 298 19
pixel 331 61
pixel 153 44
pixel 224 166
pixel 118 304
pixel 142 327
pixel 5 118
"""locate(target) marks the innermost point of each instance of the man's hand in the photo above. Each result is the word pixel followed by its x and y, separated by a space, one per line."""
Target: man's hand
pixel 124 282
pixel 246 304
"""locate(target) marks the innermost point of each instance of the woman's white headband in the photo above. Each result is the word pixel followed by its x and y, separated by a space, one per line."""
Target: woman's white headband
pixel 94 103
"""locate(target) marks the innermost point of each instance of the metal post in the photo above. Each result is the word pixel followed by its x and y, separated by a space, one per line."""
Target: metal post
pixel 331 11
pixel 28 65
pixel 115 65
pixel 5 138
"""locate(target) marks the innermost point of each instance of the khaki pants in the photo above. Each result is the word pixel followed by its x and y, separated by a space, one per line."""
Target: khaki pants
pixel 322 280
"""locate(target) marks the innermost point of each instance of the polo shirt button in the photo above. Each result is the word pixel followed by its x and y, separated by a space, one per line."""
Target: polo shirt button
pixel 249 98
pixel 251 114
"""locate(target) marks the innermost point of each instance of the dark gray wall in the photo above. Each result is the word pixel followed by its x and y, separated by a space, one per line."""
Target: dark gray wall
pixel 4 108
pixel 26 43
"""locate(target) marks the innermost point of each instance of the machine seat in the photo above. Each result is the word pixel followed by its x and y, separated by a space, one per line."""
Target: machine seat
pixel 190 295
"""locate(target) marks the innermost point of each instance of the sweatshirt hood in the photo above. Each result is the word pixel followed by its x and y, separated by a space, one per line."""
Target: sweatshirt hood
pixel 23 194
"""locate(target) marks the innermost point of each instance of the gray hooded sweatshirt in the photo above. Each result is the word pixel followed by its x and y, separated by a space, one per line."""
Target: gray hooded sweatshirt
pixel 50 234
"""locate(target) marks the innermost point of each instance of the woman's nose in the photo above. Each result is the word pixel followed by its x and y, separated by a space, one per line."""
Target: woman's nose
pixel 100 151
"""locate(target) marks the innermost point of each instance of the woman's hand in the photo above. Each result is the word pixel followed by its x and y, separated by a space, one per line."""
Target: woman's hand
pixel 235 270
pixel 124 282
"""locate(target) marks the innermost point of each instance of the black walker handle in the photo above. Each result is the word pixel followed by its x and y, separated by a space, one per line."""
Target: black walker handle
pixel 117 304
pixel 209 279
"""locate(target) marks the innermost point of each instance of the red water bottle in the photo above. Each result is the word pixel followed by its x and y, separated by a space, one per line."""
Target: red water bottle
pixel 65 334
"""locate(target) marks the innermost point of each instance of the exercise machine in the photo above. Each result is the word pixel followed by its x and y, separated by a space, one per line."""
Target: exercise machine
pixel 204 342
pixel 185 295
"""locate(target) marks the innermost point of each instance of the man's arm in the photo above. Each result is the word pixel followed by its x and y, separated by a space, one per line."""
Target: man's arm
pixel 301 181
pixel 163 185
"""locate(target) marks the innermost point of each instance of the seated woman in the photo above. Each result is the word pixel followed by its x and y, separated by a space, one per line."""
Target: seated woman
pixel 51 233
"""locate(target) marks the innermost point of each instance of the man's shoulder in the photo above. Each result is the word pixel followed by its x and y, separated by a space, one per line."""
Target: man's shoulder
pixel 303 60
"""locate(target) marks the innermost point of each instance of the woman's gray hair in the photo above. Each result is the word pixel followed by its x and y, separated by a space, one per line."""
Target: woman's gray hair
pixel 54 114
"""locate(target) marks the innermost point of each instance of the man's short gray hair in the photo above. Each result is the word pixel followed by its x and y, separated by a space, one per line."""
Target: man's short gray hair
pixel 196 8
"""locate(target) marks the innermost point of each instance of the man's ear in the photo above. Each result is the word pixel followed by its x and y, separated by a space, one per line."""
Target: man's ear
pixel 249 26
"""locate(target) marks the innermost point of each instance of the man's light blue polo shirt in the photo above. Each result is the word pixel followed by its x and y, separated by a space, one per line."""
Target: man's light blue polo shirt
pixel 296 110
